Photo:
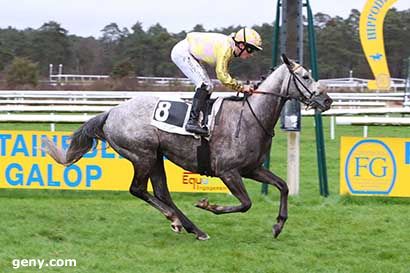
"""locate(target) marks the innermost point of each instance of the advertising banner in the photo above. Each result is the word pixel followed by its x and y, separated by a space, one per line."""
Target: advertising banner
pixel 375 166
pixel 23 165
pixel 371 37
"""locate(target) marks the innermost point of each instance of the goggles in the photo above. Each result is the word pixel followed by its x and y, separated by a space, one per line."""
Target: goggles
pixel 250 48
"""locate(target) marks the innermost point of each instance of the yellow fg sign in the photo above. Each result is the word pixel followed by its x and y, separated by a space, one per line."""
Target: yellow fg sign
pixel 371 37
pixel 379 166
pixel 23 165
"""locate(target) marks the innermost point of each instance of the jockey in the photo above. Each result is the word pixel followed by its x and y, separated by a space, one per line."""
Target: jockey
pixel 216 50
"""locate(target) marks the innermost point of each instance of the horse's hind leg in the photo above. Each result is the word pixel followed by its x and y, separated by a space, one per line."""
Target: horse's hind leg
pixel 139 189
pixel 159 184
pixel 147 163
pixel 139 183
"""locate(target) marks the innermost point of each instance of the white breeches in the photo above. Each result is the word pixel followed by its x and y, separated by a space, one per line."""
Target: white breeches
pixel 181 56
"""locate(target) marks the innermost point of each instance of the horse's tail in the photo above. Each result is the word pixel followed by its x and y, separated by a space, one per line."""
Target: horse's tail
pixel 82 141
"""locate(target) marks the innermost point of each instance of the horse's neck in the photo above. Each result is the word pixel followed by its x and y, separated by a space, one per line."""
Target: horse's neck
pixel 273 83
pixel 270 106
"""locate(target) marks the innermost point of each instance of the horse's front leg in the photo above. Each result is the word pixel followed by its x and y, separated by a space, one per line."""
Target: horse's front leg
pixel 233 181
pixel 265 176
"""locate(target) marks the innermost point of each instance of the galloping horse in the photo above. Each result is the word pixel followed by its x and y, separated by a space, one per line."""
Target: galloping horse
pixel 128 130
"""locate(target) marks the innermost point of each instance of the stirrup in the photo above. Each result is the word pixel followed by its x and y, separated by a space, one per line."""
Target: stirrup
pixel 196 129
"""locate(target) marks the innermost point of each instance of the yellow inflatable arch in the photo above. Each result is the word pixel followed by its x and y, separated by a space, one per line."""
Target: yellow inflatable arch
pixel 371 37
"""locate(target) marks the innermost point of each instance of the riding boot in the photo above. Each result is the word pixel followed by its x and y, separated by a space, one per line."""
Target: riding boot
pixel 198 105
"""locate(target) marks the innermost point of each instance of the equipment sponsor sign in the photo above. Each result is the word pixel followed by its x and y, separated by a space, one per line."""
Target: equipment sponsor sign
pixel 375 166
pixel 371 37
pixel 23 165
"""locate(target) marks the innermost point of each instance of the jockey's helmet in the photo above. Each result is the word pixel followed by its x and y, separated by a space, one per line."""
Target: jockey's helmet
pixel 249 37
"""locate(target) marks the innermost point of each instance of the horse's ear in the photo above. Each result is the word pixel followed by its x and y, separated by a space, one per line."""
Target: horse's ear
pixel 286 61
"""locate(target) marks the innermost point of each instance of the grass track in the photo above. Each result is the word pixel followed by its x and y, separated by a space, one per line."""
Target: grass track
pixel 113 232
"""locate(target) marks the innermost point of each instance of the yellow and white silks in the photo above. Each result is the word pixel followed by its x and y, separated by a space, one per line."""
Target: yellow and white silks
pixel 212 48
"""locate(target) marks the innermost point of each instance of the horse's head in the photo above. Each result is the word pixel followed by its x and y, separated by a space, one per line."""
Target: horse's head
pixel 303 87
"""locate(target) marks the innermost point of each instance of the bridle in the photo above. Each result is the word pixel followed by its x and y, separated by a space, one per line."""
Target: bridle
pixel 292 78
pixel 295 79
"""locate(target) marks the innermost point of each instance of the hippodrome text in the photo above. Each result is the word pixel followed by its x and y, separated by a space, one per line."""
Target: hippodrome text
pixel 372 19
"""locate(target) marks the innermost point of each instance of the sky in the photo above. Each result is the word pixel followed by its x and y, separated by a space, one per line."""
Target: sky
pixel 88 17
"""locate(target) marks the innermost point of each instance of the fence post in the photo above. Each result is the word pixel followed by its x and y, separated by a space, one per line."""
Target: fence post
pixel 407 88
pixel 320 145
pixel 275 47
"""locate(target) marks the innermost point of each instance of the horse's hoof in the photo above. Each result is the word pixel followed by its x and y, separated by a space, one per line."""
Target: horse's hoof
pixel 203 203
pixel 276 230
pixel 203 237
pixel 176 228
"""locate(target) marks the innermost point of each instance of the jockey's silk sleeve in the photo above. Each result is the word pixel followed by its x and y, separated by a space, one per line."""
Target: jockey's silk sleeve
pixel 222 73
pixel 216 50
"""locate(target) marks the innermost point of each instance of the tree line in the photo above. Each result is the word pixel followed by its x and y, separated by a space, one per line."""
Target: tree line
pixel 135 51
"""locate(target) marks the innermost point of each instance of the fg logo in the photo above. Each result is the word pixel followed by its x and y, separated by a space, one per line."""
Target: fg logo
pixel 376 167
pixel 370 168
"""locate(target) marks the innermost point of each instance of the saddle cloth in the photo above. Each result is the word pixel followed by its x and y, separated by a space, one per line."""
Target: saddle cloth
pixel 171 115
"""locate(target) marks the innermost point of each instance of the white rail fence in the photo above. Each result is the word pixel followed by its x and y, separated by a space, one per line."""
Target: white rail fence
pixel 361 84
pixel 63 79
pixel 79 106
pixel 337 83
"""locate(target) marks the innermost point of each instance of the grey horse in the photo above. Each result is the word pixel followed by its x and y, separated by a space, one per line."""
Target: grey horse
pixel 127 128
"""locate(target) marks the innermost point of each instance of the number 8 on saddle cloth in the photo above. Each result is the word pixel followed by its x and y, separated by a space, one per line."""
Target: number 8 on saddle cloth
pixel 172 115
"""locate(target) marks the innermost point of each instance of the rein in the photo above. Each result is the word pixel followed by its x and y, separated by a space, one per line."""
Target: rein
pixel 246 96
pixel 271 94
pixel 293 77
pixel 258 120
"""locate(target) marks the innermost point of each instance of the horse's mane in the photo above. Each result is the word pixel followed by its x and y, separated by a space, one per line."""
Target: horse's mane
pixel 267 78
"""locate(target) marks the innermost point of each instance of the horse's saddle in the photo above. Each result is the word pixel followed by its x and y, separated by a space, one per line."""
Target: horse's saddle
pixel 171 115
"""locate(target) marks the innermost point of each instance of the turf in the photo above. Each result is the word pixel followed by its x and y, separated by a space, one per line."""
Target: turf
pixel 114 232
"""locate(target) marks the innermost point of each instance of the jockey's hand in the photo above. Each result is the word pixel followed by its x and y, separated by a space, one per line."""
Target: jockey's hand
pixel 248 89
